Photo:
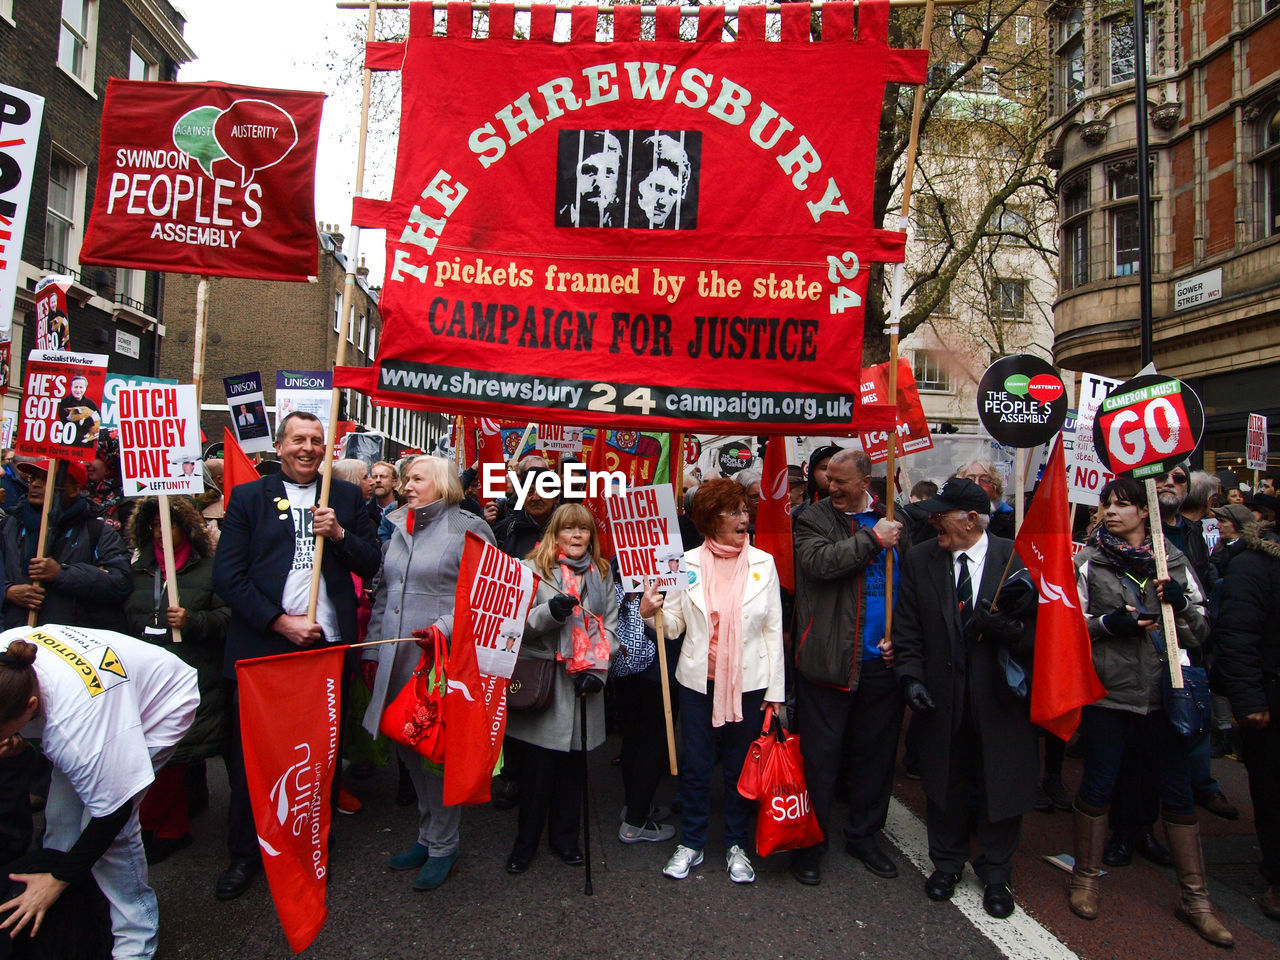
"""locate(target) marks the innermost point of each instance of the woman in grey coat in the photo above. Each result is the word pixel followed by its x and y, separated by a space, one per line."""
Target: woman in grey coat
pixel 419 579
pixel 568 561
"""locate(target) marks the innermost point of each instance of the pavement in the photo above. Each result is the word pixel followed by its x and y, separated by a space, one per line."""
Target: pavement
pixel 483 912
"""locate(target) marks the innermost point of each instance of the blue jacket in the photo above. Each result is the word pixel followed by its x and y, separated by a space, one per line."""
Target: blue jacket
pixel 254 555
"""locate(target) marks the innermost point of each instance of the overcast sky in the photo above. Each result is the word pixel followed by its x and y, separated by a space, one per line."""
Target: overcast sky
pixel 287 44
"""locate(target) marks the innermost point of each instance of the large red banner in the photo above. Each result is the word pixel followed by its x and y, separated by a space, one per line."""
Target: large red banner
pixel 662 234
pixel 206 178
pixel 290 708
pixel 494 594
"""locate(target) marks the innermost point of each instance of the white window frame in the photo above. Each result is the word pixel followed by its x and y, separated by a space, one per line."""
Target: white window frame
pixel 6 11
pixel 132 285
pixel 364 331
pixel 1011 299
pixel 150 70
pixel 87 42
pixel 924 362
pixel 373 342
pixel 1021 29
pixel 337 312
pixel 1112 60
pixel 73 218
pixel 351 325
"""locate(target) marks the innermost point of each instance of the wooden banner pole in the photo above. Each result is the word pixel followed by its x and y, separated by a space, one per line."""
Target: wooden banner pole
pixel 660 628
pixel 50 477
pixel 895 320
pixel 201 338
pixel 344 326
pixel 166 542
pixel 1162 573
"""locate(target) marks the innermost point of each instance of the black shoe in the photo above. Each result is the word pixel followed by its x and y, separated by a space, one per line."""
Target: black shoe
pixel 1118 852
pixel 517 863
pixel 1220 806
pixel 236 879
pixel 159 849
pixel 806 865
pixel 503 793
pixel 874 859
pixel 1042 803
pixel 997 900
pixel 910 771
pixel 941 885
pixel 1153 850
pixel 572 858
pixel 1057 793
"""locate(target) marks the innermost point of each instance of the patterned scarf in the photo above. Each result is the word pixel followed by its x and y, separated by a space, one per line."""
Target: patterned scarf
pixel 1136 560
pixel 590 642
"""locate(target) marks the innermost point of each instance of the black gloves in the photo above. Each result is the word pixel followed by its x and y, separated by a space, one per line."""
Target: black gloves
pixel 561 606
pixel 995 625
pixel 1018 597
pixel 586 682
pixel 917 696
pixel 1122 623
pixel 1175 596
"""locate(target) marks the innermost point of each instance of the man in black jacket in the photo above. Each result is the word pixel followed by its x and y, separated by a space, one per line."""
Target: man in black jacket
pixel 262 569
pixel 848 705
pixel 1247 640
pixel 978 758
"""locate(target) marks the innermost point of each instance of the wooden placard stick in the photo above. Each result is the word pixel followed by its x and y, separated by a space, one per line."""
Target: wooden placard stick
pixel 166 542
pixel 44 524
pixel 1162 573
pixel 660 628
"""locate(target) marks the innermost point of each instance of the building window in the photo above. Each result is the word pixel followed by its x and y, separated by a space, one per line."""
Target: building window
pixel 1022 29
pixel 337 312
pixel 931 373
pixel 6 10
pixel 142 67
pixel 1122 48
pixel 1075 233
pixel 1070 57
pixel 1011 299
pixel 77 37
pixel 364 332
pixel 1122 184
pixel 990 80
pixel 351 326
pixel 373 343
pixel 60 231
pixel 960 24
pixel 931 220
pixel 1011 223
pixel 1267 165
pixel 131 289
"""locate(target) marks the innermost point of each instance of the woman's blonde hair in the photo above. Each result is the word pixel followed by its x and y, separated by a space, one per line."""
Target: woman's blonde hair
pixel 545 557
pixel 440 473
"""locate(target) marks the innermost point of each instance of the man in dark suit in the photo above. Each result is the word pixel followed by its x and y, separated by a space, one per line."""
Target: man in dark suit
pixel 954 651
pixel 262 568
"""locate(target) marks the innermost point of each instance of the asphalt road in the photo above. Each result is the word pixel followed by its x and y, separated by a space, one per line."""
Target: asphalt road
pixel 482 912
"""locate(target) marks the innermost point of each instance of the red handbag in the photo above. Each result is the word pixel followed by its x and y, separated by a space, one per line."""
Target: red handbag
pixel 749 778
pixel 785 819
pixel 415 718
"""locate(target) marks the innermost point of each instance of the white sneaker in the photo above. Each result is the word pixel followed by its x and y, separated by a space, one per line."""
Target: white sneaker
pixel 738 864
pixel 652 832
pixel 682 861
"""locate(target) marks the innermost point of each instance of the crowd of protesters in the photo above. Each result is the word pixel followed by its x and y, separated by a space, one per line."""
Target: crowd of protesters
pixel 737 643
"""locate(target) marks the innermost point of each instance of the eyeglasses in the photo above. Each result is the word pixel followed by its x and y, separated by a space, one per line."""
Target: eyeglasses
pixel 1178 478
pixel 733 514
pixel 983 479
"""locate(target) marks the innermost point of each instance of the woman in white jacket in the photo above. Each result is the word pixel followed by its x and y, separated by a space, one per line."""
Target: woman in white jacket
pixel 730 667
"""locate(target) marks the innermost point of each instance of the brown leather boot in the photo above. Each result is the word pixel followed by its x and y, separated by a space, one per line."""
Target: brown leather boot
pixel 1082 888
pixel 1188 861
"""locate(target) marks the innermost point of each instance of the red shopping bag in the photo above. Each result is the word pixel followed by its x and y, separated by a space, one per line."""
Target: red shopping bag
pixel 749 778
pixel 785 819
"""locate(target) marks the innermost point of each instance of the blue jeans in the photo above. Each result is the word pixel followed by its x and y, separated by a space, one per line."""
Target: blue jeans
pixel 703 746
pixel 1163 754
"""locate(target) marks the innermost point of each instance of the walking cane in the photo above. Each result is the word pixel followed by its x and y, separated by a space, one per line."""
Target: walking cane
pixel 586 808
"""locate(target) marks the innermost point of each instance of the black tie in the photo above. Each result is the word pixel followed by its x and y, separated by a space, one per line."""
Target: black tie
pixel 964 590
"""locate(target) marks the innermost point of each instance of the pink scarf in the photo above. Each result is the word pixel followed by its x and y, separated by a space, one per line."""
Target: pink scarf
pixel 724 615
pixel 180 555
pixel 590 652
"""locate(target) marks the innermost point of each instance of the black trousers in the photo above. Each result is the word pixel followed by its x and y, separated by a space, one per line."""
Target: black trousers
pixel 864 722
pixel 551 794
pixel 638 701
pixel 953 827
pixel 1262 759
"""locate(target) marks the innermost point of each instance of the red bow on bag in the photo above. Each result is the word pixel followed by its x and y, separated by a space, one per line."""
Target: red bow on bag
pixel 416 717
pixel 785 819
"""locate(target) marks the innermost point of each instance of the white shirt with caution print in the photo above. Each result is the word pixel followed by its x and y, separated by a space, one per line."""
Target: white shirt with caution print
pixel 109 704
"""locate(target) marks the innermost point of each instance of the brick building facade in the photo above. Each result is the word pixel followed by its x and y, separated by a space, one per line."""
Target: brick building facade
pixel 265 326
pixel 1214 123
pixel 65 50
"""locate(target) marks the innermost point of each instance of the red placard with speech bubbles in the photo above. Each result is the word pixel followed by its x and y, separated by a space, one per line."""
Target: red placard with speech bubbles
pixel 206 178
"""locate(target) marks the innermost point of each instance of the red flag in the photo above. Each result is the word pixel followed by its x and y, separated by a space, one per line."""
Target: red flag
pixel 489 441
pixel 290 707
pixel 236 467
pixel 492 603
pixel 1064 678
pixel 773 516
pixel 597 462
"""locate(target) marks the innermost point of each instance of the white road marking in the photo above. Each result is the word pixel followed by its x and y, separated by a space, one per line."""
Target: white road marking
pixel 1019 937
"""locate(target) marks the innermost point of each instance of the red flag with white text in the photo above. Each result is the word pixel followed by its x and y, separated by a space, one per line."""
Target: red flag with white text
pixel 290 708
pixel 492 603
pixel 773 516
pixel 1064 679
